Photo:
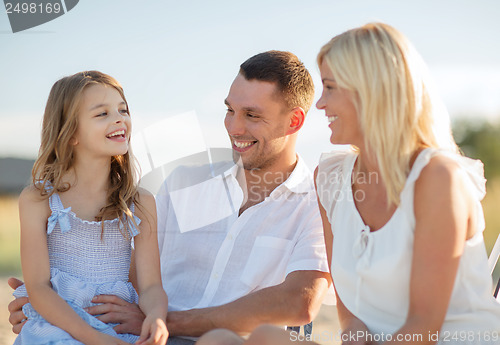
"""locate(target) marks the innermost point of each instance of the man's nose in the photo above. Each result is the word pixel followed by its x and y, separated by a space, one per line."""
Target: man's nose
pixel 235 125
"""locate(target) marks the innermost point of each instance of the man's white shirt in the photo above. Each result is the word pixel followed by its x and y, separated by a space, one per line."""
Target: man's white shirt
pixel 211 256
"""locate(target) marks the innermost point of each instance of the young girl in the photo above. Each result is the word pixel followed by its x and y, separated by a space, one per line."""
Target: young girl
pixel 77 221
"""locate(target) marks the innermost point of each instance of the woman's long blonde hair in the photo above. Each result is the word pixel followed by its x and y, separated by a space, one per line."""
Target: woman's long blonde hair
pixel 56 157
pixel 397 107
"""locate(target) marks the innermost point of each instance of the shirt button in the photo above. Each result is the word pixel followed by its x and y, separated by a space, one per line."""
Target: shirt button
pixel 230 237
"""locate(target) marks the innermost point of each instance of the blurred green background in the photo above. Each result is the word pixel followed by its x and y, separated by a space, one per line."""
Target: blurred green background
pixel 481 139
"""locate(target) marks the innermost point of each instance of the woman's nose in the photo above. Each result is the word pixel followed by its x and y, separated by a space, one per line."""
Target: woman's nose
pixel 320 104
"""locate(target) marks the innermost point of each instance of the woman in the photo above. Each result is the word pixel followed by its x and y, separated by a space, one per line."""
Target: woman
pixel 401 208
pixel 401 211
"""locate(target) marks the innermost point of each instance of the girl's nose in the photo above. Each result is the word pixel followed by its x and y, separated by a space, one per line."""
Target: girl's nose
pixel 119 117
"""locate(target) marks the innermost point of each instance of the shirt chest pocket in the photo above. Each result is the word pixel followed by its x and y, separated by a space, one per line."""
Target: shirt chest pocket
pixel 266 264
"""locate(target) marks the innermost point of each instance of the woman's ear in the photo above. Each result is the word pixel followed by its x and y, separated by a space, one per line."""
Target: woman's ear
pixel 73 141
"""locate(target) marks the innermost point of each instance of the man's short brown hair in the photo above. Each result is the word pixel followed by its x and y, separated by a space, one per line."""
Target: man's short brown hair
pixel 286 70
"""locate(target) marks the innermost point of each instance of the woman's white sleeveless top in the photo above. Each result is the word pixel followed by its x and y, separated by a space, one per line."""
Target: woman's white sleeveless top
pixel 371 270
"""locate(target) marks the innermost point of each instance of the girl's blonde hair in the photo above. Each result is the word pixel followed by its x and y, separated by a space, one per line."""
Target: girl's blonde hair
pixel 56 157
pixel 397 107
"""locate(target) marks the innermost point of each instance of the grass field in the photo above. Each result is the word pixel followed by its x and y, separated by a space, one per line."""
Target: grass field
pixel 9 236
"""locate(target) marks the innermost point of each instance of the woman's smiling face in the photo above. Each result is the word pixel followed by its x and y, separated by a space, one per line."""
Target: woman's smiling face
pixel 340 109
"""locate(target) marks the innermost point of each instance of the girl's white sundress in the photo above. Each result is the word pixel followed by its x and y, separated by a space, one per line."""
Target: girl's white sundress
pixel 371 270
pixel 82 265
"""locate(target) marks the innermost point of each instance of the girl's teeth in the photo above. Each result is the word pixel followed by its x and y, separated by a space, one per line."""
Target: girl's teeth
pixel 122 132
pixel 332 118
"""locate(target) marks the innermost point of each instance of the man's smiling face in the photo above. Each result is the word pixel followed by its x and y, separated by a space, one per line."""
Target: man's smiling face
pixel 256 122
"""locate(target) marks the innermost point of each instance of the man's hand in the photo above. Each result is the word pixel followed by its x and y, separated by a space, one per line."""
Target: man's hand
pixel 115 310
pixel 16 318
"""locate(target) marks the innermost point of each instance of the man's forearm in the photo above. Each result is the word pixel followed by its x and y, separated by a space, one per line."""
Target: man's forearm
pixel 294 302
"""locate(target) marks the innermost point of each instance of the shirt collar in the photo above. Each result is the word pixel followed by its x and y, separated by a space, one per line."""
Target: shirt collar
pixel 299 181
pixel 232 171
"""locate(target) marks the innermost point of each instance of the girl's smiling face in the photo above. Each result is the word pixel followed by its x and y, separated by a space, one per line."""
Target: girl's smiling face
pixel 104 123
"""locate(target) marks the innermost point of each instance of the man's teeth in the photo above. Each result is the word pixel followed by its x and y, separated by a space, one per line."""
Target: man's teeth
pixel 242 145
pixel 332 118
pixel 114 134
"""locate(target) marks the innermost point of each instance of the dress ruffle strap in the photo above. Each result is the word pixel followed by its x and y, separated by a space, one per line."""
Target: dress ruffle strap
pixel 331 177
pixel 132 229
pixel 474 168
pixel 59 213
pixel 60 216
pixel 474 172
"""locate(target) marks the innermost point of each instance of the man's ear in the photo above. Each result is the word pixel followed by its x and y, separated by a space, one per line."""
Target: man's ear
pixel 298 115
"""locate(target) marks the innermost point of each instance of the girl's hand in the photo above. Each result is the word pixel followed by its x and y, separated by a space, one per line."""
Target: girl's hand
pixel 355 333
pixel 154 332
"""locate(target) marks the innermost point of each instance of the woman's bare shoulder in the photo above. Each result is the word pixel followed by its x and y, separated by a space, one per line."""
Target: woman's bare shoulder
pixel 440 171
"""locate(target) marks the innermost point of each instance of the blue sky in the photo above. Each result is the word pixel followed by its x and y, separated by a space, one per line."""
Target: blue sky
pixel 174 57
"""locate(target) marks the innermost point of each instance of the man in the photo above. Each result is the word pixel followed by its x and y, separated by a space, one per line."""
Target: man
pixel 262 262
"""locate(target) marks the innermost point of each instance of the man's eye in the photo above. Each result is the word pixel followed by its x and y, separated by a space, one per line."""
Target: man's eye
pixel 252 116
pixel 229 110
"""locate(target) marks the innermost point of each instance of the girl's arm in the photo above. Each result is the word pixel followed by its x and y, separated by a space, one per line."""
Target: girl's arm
pixel 34 212
pixel 443 223
pixel 348 322
pixel 152 298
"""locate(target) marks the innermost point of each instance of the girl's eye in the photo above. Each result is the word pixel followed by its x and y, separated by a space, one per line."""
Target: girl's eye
pixel 102 114
pixel 124 111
